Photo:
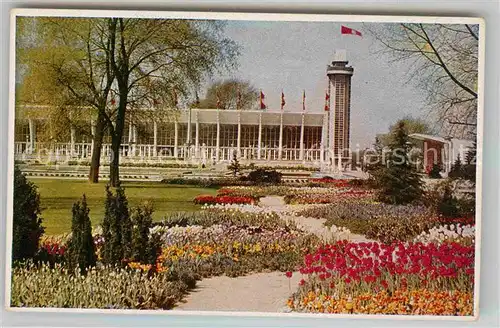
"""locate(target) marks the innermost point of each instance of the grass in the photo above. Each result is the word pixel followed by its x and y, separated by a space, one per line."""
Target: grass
pixel 57 197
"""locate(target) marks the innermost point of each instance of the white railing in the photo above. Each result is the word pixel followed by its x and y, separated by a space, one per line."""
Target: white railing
pixel 205 154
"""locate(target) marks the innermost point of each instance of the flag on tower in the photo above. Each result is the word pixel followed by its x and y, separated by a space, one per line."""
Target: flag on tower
pixel 283 103
pixel 327 104
pixel 262 97
pixel 304 100
pixel 347 30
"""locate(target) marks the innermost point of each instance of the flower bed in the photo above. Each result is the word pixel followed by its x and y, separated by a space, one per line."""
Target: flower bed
pixel 456 233
pixel 208 199
pixel 254 191
pixel 231 249
pixel 104 288
pixel 375 273
pixel 265 220
pixel 414 302
pixel 320 195
pixel 377 221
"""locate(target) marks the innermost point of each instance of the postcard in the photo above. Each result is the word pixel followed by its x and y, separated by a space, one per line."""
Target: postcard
pixel 245 164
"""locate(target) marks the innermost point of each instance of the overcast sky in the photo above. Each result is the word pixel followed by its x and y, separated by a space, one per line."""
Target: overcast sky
pixel 293 56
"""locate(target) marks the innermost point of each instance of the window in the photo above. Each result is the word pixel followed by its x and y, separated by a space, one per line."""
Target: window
pixel 249 135
pixel 166 134
pixel 22 131
pixel 312 137
pixel 270 136
pixel 208 134
pixel 291 137
pixel 228 135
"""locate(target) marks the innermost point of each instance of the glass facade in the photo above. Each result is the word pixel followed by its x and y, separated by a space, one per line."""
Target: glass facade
pixel 207 138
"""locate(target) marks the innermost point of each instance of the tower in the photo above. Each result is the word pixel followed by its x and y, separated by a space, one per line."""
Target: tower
pixel 339 88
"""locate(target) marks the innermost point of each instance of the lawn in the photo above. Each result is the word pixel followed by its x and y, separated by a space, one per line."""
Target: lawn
pixel 57 198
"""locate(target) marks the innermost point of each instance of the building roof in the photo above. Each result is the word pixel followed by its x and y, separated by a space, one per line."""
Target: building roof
pixel 251 117
pixel 421 136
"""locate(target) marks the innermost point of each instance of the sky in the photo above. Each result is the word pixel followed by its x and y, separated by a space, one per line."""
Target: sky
pixel 293 56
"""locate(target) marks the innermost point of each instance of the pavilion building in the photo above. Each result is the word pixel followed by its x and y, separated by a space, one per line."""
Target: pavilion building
pixel 210 136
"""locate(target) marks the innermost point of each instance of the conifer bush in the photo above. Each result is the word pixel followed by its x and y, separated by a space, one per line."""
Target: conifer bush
pixel 398 182
pixel 81 247
pixel 116 227
pixel 27 223
pixel 144 248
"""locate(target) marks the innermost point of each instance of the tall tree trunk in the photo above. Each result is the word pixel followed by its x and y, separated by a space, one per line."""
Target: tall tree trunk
pixel 117 135
pixel 95 161
pixel 114 164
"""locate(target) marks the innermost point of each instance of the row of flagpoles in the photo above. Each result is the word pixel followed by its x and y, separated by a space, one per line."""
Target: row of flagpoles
pixel 263 105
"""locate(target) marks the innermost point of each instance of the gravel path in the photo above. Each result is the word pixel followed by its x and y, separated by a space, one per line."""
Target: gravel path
pixel 258 292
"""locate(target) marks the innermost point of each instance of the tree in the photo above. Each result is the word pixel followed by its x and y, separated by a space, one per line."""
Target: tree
pixel 411 125
pixel 398 182
pixel 142 247
pixel 27 223
pixel 66 64
pixel 456 170
pixel 116 227
pixel 444 61
pixel 230 94
pixel 142 62
pixel 81 248
pixel 435 172
pixel 150 49
pixel 235 165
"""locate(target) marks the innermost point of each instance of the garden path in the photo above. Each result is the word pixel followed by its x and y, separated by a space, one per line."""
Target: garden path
pixel 258 292
pixel 313 225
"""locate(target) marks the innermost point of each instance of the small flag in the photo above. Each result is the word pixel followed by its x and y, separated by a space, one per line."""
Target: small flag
pixel 327 98
pixel 262 97
pixel 304 100
pixel 283 103
pixel 347 30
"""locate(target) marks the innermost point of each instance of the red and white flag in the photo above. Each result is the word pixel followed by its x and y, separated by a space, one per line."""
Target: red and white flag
pixel 327 104
pixel 347 30
pixel 262 97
